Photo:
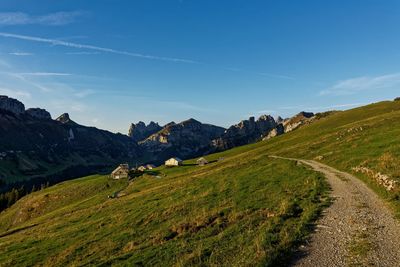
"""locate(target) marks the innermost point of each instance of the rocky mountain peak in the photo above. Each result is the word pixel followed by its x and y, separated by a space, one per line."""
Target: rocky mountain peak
pixel 188 138
pixel 306 114
pixel 245 132
pixel 11 105
pixel 38 113
pixel 141 131
pixel 298 120
pixel 279 120
pixel 64 118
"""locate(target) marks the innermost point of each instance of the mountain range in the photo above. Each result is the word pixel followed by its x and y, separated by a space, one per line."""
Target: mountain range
pixel 34 148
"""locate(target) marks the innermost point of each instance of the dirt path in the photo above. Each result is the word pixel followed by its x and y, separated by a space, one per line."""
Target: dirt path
pixel 358 229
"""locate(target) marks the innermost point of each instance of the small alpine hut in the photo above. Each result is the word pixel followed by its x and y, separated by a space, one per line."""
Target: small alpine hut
pixel 120 172
pixel 173 162
pixel 150 166
pixel 142 168
pixel 202 161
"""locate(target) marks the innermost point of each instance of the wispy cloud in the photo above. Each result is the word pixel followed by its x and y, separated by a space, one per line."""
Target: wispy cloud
pixel 279 76
pixel 52 19
pixel 91 47
pixel 84 93
pixel 14 93
pixel 354 85
pixel 66 104
pixel 4 63
pixel 266 111
pixel 321 108
pixel 82 53
pixel 45 74
pixel 21 54
pixel 266 74
pixel 24 79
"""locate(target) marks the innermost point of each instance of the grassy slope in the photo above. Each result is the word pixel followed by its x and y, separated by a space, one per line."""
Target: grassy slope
pixel 368 136
pixel 242 210
pixel 238 211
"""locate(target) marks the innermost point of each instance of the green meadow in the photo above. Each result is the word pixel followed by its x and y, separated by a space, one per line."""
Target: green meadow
pixel 246 209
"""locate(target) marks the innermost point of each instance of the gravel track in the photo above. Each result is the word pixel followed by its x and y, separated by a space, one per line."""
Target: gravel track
pixel 358 229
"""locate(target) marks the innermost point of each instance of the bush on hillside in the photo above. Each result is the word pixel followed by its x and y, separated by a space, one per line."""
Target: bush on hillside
pixel 135 173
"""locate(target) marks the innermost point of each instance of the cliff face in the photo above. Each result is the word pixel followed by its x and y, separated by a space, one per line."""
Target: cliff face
pixel 12 105
pixel 297 121
pixel 33 146
pixel 245 132
pixel 38 113
pixel 141 131
pixel 186 139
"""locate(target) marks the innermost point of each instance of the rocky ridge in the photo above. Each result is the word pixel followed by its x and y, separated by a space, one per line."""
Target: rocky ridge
pixel 141 131
pixel 38 113
pixel 36 148
pixel 186 139
pixel 245 132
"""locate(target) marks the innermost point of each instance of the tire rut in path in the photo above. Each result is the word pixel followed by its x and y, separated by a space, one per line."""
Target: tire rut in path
pixel 358 229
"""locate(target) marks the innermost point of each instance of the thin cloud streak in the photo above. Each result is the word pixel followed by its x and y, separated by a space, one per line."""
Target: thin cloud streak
pixel 14 93
pixel 273 75
pixel 318 108
pixel 358 84
pixel 92 47
pixel 45 74
pixel 82 53
pixel 52 19
pixel 21 54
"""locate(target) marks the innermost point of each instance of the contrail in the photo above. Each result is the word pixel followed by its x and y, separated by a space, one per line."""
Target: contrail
pixel 92 47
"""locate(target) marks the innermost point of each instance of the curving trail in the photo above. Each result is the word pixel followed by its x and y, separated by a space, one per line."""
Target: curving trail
pixel 358 229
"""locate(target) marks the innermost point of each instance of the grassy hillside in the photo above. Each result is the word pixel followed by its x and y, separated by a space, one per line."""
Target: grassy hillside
pixel 366 137
pixel 246 209
pixel 239 211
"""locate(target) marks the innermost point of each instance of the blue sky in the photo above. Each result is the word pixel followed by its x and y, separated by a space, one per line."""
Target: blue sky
pixel 111 62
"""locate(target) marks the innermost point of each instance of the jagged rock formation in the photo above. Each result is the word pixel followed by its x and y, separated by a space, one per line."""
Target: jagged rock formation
pixel 278 130
pixel 297 121
pixel 18 108
pixel 12 105
pixel 34 148
pixel 38 113
pixel 245 132
pixel 64 118
pixel 186 139
pixel 141 131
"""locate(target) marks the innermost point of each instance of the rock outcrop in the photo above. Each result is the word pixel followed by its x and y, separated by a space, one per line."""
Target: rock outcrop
pixel 278 130
pixel 245 132
pixel 38 113
pixel 39 149
pixel 11 105
pixel 298 120
pixel 64 118
pixel 141 131
pixel 189 138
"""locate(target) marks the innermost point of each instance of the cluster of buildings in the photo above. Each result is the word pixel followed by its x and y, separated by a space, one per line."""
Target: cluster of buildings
pixel 122 171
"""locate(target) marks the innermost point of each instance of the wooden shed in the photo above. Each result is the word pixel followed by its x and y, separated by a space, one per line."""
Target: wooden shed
pixel 150 166
pixel 142 168
pixel 121 171
pixel 173 162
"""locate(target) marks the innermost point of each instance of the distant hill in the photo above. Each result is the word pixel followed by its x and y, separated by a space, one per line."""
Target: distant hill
pixel 37 148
